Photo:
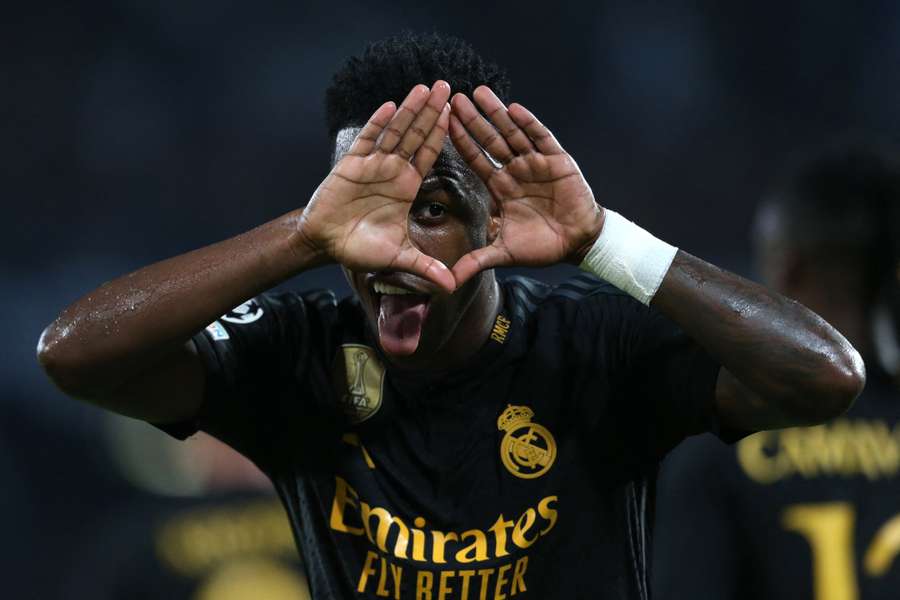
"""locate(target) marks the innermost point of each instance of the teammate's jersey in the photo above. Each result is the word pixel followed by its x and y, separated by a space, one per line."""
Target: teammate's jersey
pixel 525 475
pixel 807 512
pixel 234 546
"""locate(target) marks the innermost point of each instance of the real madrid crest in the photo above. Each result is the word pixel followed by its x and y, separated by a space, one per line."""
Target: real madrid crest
pixel 359 379
pixel 528 449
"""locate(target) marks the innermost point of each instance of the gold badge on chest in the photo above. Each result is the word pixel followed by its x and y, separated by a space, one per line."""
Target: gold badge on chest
pixel 528 449
pixel 359 380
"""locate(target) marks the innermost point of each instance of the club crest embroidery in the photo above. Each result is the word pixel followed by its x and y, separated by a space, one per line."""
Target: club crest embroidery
pixel 359 379
pixel 528 449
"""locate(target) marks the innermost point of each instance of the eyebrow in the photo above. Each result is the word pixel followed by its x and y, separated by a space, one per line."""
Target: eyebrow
pixel 441 179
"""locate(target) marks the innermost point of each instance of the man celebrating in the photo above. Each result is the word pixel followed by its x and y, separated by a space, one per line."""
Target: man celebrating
pixel 442 434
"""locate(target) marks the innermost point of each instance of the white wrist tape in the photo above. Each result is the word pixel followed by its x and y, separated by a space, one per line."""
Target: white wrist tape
pixel 629 257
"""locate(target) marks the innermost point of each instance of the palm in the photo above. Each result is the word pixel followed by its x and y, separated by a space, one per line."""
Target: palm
pixel 358 215
pixel 547 210
pixel 360 210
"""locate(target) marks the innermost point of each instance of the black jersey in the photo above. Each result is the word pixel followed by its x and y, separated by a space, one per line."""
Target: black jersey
pixel 526 474
pixel 806 512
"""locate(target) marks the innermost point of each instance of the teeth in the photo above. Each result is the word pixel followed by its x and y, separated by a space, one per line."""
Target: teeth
pixel 384 288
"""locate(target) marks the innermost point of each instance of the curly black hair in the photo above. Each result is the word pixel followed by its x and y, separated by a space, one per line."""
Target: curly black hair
pixel 844 197
pixel 388 70
pixel 845 191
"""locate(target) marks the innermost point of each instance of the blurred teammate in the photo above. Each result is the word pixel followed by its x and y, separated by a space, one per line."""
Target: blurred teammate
pixel 204 524
pixel 887 313
pixel 810 512
pixel 442 434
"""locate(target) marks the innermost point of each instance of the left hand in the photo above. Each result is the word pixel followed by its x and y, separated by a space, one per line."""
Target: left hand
pixel 547 209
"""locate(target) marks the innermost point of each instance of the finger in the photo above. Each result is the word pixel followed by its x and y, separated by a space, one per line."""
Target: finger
pixel 365 141
pixel 434 144
pixel 496 111
pixel 413 260
pixel 469 150
pixel 421 127
pixel 477 261
pixel 483 132
pixel 541 136
pixel 402 119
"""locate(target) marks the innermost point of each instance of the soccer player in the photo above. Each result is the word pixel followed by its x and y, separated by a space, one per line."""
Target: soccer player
pixel 807 512
pixel 442 434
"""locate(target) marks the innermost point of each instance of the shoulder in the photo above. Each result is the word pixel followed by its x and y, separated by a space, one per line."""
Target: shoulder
pixel 582 317
pixel 577 288
pixel 301 305
pixel 331 319
pixel 320 299
pixel 283 317
pixel 580 295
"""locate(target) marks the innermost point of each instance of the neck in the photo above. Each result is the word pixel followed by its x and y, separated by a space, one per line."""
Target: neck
pixel 469 335
pixel 475 325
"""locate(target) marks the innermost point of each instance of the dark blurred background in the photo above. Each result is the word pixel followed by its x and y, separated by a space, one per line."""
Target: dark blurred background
pixel 138 130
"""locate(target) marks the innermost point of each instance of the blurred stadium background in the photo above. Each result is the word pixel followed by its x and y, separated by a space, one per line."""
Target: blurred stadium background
pixel 138 130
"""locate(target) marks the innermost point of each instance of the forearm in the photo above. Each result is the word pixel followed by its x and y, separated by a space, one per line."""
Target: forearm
pixel 782 364
pixel 787 355
pixel 104 338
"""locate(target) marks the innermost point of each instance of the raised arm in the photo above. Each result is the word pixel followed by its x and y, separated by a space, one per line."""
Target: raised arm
pixel 783 365
pixel 125 346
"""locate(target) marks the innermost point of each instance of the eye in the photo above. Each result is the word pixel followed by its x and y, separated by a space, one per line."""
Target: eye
pixel 430 213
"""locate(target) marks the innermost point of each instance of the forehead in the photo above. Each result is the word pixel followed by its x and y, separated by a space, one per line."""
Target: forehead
pixel 449 159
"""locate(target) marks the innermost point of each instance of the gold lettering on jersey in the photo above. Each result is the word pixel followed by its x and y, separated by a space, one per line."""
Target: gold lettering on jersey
pixel 203 539
pixel 843 448
pixel 394 536
pixel 501 329
pixel 528 449
pixel 385 579
pixel 359 380
pixel 353 440
pixel 253 577
pixel 885 548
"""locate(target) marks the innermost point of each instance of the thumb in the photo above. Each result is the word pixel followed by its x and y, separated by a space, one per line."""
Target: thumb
pixel 413 260
pixel 479 260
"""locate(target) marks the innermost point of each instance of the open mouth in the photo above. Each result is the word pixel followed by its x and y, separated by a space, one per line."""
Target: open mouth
pixel 401 317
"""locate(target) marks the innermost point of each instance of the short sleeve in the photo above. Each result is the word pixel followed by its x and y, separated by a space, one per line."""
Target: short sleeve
pixel 254 356
pixel 662 383
pixel 669 378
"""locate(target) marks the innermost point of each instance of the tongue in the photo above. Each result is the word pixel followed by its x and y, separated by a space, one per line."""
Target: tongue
pixel 400 322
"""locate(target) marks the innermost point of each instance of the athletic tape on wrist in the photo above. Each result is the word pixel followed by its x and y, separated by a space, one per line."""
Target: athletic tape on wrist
pixel 629 257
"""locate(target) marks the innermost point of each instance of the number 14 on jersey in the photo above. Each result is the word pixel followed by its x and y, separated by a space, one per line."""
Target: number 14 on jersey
pixel 829 529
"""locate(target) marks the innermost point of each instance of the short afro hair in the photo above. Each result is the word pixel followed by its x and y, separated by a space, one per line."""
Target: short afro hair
pixel 845 198
pixel 390 68
pixel 843 194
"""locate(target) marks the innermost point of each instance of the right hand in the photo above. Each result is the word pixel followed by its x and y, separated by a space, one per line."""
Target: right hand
pixel 358 215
